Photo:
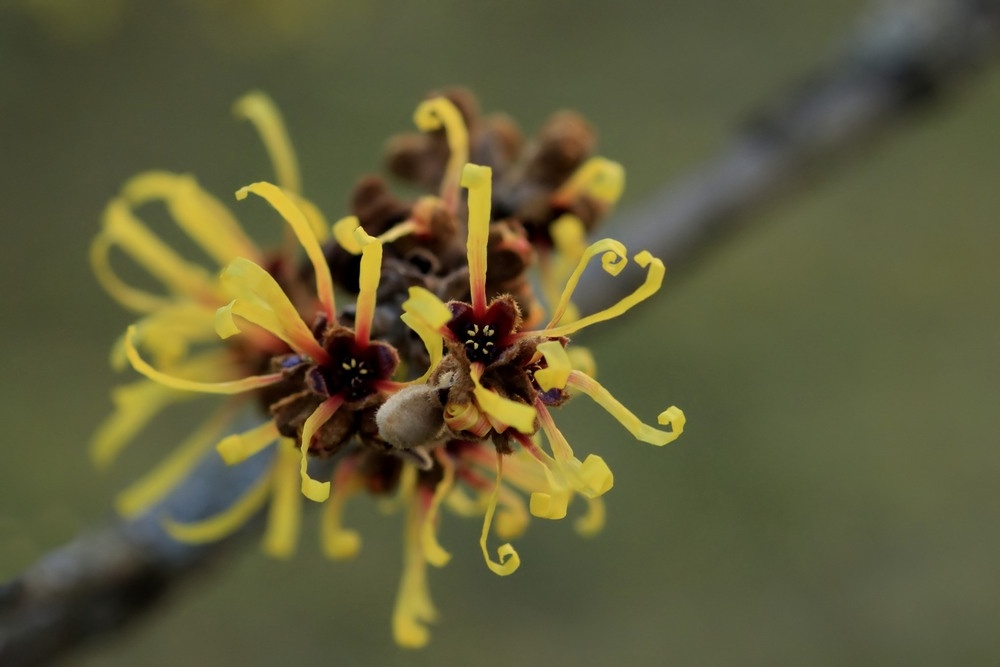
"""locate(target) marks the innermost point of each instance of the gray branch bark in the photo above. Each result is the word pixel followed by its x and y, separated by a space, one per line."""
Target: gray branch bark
pixel 903 56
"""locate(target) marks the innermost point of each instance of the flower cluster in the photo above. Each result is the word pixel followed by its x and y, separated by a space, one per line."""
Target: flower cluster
pixel 437 385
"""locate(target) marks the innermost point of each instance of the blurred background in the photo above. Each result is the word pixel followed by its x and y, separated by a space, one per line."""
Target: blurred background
pixel 834 497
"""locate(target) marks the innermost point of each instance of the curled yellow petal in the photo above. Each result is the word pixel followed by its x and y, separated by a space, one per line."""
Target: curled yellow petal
pixel 479 181
pixel 413 608
pixel 433 552
pixel 154 486
pixel 672 416
pixel 654 278
pixel 284 516
pixel 509 560
pixel 598 177
pixel 299 223
pixel 230 387
pixel 240 446
pixel 440 112
pixel 260 110
pixel 202 217
pixel 224 523
pixel 340 543
pixel 312 489
pixel 613 260
pixel 506 411
pixel 559 366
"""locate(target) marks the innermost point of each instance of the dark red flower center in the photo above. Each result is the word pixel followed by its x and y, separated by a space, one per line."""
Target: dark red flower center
pixel 353 371
pixel 484 336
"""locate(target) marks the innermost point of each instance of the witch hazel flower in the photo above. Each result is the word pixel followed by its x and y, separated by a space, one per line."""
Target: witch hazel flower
pixel 177 327
pixel 498 382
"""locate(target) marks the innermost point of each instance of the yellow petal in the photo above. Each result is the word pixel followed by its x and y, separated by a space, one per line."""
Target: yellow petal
pixel 299 223
pixel 432 549
pixel 613 260
pixel 260 300
pixel 569 239
pixel 317 221
pixel 512 519
pixel 340 543
pixel 432 342
pixel 479 181
pixel 135 405
pixel 260 110
pixel 599 178
pixel 343 232
pixel 509 560
pixel 591 477
pixel 413 608
pixel 441 112
pixel 463 505
pixel 284 516
pixel 592 522
pixel 154 486
pixel 582 360
pixel 224 523
pixel 202 217
pixel 671 416
pixel 230 387
pixel 136 300
pixel 169 333
pixel 239 447
pixel 400 230
pixel 371 271
pixel 654 278
pixel 554 503
pixel 559 366
pixel 150 252
pixel 312 489
pixel 427 307
pixel 512 413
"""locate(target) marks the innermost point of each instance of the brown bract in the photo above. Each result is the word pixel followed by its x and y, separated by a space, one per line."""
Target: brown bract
pixel 527 176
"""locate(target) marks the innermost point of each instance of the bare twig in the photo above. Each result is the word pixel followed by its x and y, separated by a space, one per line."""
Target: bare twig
pixel 903 56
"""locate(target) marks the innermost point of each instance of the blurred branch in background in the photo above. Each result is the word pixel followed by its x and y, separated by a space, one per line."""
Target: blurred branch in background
pixel 903 56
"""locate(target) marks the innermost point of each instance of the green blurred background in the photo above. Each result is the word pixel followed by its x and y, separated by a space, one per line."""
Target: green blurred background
pixel 834 499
